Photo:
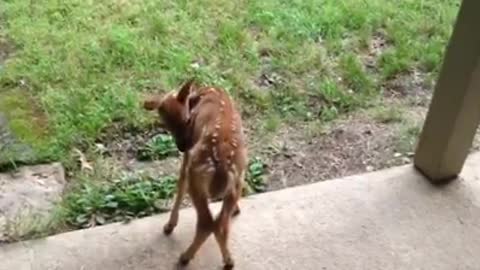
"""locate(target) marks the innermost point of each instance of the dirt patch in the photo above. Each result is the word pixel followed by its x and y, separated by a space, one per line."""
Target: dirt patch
pixel 354 145
pixel 125 142
pixel 415 86
pixel 377 45
pixel 6 49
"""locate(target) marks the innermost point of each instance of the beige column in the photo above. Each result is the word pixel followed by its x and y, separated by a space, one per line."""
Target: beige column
pixel 454 113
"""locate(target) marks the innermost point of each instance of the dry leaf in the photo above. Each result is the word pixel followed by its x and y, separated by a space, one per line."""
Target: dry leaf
pixel 84 164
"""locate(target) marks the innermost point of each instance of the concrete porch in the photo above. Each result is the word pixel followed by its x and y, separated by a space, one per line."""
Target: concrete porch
pixel 392 219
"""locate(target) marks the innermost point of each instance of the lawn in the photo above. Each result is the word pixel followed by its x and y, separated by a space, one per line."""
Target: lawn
pixel 83 65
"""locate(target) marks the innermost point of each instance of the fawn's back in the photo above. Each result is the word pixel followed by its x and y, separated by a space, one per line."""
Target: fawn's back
pixel 218 154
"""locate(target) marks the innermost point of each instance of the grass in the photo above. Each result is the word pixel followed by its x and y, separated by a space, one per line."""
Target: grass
pixel 407 137
pixel 388 114
pixel 85 63
pixel 28 225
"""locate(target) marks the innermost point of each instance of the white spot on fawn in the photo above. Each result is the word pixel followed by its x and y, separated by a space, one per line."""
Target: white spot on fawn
pixel 215 153
pixel 210 169
pixel 210 162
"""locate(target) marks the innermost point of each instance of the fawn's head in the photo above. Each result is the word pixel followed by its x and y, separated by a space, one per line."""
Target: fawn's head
pixel 173 109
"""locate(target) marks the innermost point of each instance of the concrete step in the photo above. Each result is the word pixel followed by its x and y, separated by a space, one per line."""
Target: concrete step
pixel 392 219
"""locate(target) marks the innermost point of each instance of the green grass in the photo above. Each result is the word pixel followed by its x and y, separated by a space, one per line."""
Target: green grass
pixel 86 62
pixel 407 137
pixel 388 114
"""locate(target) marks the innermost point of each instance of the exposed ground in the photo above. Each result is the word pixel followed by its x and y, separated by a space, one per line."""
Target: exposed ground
pixel 326 88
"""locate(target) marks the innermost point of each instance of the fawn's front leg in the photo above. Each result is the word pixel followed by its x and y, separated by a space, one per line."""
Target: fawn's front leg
pixel 181 189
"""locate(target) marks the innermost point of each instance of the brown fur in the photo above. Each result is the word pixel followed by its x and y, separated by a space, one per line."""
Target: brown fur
pixel 208 128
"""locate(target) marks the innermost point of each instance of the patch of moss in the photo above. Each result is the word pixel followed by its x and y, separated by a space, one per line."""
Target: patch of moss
pixel 25 133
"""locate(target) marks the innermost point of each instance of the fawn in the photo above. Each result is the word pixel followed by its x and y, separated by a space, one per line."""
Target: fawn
pixel 207 127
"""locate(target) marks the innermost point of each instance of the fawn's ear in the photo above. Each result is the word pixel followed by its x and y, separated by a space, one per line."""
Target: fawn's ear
pixel 185 90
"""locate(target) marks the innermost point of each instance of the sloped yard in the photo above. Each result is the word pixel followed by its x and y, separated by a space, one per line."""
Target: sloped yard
pixel 327 88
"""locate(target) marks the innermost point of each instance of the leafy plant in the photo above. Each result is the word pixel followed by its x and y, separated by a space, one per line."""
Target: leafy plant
pixel 127 197
pixel 159 147
pixel 256 175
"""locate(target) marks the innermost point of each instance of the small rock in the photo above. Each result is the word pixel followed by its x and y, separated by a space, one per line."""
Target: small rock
pixel 34 190
pixel 299 165
pixel 101 148
pixel 195 65
pixel 368 132
pixel 370 168
pixel 162 205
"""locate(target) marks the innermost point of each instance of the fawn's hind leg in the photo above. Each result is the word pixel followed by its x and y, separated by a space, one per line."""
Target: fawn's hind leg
pixel 222 228
pixel 239 191
pixel 204 228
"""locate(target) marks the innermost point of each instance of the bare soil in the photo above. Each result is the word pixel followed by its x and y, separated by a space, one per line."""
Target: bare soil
pixel 353 146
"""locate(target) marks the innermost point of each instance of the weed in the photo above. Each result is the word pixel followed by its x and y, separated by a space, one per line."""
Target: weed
pixel 394 62
pixel 159 147
pixel 272 123
pixel 28 225
pixel 407 137
pixel 334 98
pixel 126 197
pixel 256 175
pixel 387 115
pixel 355 76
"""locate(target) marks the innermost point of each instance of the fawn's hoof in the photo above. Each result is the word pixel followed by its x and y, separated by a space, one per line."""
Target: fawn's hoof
pixel 184 260
pixel 168 228
pixel 236 212
pixel 229 265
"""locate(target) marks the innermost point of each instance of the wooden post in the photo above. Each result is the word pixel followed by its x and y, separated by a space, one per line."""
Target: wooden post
pixel 454 113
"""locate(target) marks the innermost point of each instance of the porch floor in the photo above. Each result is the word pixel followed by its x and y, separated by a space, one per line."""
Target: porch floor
pixel 391 219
